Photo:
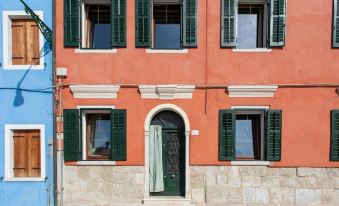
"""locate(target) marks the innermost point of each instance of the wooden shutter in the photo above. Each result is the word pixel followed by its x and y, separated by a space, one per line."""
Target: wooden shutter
pixel 335 35
pixel 27 159
pixel 227 135
pixel 143 23
pixel 71 23
pixel 119 135
pixel 190 23
pixel 33 43
pixel 228 23
pixel 72 142
pixel 334 135
pixel 19 42
pixel 273 136
pixel 118 23
pixel 278 23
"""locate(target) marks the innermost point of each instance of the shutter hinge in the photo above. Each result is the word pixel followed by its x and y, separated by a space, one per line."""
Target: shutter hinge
pixel 1 178
pixel 46 178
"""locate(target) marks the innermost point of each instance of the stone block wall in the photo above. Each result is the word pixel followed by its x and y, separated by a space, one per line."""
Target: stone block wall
pixel 103 185
pixel 259 185
pixel 210 185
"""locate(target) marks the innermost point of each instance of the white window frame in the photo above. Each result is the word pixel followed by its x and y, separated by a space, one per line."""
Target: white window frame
pixel 253 110
pixel 91 110
pixel 9 152
pixel 264 49
pixel 7 17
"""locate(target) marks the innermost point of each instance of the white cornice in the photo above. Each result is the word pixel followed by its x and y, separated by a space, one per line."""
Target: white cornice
pixel 95 91
pixel 252 91
pixel 166 91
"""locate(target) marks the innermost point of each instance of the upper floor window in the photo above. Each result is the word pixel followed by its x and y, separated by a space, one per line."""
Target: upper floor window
pixel 23 42
pixel 166 24
pixel 253 24
pixel 96 26
pixel 102 24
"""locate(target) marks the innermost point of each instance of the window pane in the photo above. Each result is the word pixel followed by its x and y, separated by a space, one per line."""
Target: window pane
pixel 97 29
pixel 244 138
pixel 247 31
pixel 99 132
pixel 167 26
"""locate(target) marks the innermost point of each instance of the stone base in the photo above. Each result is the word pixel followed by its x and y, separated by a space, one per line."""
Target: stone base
pixel 210 185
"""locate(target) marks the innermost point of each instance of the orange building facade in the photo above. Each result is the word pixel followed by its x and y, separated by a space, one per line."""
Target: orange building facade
pixel 190 88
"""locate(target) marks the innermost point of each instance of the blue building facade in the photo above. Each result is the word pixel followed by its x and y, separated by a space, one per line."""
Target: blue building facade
pixel 26 105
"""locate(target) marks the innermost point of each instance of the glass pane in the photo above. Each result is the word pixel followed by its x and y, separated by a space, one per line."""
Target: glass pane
pixel 244 138
pixel 102 36
pixel 173 163
pixel 247 31
pixel 99 129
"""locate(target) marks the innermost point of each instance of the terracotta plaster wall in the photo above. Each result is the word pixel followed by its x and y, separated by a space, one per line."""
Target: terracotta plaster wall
pixel 306 58
pixel 305 130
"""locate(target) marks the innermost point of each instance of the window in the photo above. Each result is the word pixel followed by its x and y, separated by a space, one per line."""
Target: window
pixel 96 26
pixel 250 134
pixel 251 24
pixel 23 41
pixel 102 23
pixel 24 153
pixel 94 134
pixel 166 24
pixel 97 134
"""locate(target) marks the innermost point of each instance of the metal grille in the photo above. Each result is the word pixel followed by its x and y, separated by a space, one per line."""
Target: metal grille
pixel 173 163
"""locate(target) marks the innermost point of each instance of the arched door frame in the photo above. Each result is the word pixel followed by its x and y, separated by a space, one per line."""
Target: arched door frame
pixel 183 115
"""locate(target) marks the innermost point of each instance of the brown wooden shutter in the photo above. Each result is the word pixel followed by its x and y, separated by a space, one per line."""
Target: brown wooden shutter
pixel 32 36
pixel 25 42
pixel 27 161
pixel 18 42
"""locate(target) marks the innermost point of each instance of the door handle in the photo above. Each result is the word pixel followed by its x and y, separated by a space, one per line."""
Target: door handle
pixel 173 176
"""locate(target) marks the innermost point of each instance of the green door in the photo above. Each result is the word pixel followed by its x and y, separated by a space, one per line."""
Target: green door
pixel 173 155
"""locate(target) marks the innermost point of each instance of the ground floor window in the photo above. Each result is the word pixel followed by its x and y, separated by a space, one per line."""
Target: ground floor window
pixel 24 151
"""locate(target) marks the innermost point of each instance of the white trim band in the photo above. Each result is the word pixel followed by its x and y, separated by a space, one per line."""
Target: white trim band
pixel 95 91
pixel 252 91
pixel 250 163
pixel 166 51
pixel 169 91
pixel 95 51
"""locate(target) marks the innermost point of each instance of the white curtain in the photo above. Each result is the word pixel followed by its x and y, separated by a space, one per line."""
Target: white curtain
pixel 155 159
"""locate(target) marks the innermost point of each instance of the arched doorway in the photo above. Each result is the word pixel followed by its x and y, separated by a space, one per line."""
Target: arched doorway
pixel 167 155
pixel 175 132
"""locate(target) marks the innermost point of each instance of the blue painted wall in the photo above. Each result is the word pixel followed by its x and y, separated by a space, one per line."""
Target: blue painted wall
pixel 27 107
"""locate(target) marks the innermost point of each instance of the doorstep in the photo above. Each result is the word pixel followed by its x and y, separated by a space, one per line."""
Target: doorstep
pixel 167 201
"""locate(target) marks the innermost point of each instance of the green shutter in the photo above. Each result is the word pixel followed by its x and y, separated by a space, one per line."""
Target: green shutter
pixel 118 8
pixel 190 23
pixel 72 143
pixel 228 23
pixel 71 23
pixel 119 135
pixel 273 136
pixel 335 34
pixel 143 23
pixel 226 135
pixel 335 135
pixel 278 23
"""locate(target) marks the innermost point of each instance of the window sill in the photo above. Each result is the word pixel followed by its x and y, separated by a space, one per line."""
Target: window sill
pixel 95 163
pixel 96 51
pixel 24 67
pixel 258 50
pixel 250 163
pixel 166 51
pixel 25 179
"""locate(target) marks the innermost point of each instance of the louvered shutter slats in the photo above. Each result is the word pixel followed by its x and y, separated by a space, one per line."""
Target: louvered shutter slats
pixel 119 142
pixel 190 23
pixel 273 138
pixel 228 23
pixel 72 143
pixel 226 135
pixel 118 23
pixel 71 23
pixel 335 35
pixel 143 23
pixel 334 135
pixel 278 21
